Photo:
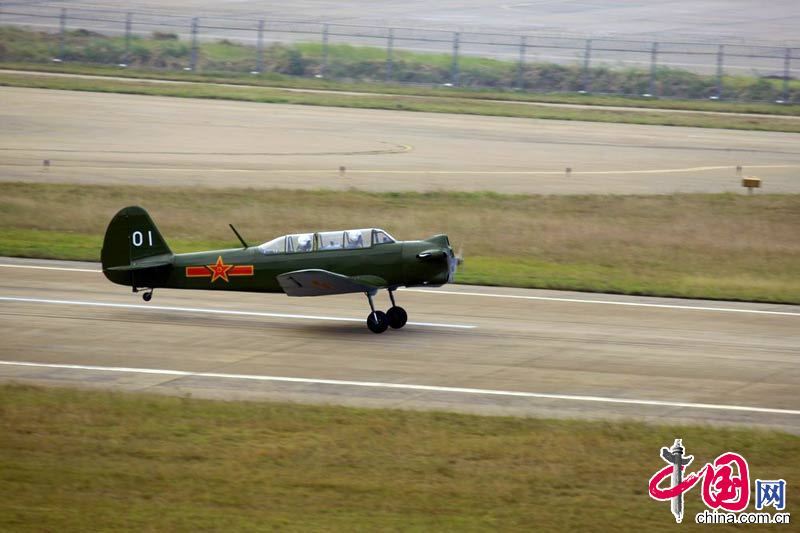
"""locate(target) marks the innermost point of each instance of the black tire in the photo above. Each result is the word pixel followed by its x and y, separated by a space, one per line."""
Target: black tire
pixel 397 317
pixel 147 296
pixel 377 322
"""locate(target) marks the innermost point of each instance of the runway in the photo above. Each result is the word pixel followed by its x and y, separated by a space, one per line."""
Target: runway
pixel 94 138
pixel 472 349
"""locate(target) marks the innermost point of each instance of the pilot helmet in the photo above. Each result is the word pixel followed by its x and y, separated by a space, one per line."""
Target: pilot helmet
pixel 353 236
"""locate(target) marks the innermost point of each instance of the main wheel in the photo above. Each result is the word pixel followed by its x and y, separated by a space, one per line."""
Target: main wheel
pixel 397 317
pixel 147 296
pixel 377 322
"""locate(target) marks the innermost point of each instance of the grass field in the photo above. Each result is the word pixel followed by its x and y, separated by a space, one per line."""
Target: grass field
pixel 78 460
pixel 166 51
pixel 430 104
pixel 276 80
pixel 724 246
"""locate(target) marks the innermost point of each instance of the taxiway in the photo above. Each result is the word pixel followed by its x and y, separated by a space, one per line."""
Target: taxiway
pixel 97 138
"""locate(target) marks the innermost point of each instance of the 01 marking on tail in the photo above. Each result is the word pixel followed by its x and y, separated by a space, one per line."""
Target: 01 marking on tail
pixel 305 264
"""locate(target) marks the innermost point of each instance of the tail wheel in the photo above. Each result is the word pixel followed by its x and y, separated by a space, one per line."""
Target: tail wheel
pixel 147 296
pixel 397 317
pixel 377 322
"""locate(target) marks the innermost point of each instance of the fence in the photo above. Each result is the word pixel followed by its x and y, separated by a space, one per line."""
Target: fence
pixel 409 55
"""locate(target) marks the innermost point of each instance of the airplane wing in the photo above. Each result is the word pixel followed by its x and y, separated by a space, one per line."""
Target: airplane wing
pixel 314 282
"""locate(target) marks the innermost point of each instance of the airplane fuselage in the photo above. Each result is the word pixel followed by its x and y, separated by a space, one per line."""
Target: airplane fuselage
pixel 363 261
pixel 248 269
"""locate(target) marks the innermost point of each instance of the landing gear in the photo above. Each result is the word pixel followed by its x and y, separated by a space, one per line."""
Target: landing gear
pixel 396 315
pixel 376 321
pixel 147 296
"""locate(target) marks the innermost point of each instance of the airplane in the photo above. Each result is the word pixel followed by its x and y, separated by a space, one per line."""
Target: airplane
pixel 367 260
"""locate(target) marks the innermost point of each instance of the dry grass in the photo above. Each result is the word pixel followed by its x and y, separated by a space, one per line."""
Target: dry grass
pixel 723 245
pixel 79 461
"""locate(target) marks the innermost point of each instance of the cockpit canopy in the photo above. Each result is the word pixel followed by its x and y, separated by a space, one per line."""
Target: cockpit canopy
pixel 327 240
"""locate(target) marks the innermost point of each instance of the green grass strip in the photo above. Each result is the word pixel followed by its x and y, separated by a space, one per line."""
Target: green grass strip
pixel 316 65
pixel 719 246
pixel 276 80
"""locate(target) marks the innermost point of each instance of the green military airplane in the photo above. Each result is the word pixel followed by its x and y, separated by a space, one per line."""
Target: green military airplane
pixel 305 264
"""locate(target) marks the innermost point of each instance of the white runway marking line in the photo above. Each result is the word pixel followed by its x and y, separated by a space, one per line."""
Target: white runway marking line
pixel 515 296
pixel 406 386
pixel 213 311
pixel 609 302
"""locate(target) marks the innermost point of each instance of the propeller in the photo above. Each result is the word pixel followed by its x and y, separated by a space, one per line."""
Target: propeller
pixel 454 261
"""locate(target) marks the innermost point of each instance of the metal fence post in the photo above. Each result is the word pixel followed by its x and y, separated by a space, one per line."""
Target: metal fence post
pixel 389 54
pixel 651 91
pixel 454 74
pixel 787 62
pixel 260 48
pixel 62 33
pixel 324 67
pixel 720 62
pixel 586 80
pixel 193 60
pixel 521 65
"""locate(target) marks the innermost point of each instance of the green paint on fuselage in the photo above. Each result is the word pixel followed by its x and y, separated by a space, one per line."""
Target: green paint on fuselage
pixel 251 270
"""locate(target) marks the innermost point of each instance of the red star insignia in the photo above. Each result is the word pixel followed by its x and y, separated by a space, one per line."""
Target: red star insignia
pixel 219 270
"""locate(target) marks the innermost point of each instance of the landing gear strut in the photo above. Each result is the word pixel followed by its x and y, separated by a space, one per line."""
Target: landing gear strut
pixel 376 321
pixel 147 296
pixel 397 315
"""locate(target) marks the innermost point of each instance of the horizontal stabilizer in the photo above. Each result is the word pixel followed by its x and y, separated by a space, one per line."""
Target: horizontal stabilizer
pixel 322 282
pixel 141 265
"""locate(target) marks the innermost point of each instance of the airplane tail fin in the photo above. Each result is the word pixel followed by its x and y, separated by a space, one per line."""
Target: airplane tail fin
pixel 134 252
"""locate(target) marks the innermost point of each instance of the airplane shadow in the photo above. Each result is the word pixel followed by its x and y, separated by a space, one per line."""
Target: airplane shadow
pixel 355 330
pixel 310 328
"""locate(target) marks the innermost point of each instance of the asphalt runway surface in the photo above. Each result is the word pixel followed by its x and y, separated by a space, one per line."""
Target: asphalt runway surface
pixel 127 139
pixel 469 349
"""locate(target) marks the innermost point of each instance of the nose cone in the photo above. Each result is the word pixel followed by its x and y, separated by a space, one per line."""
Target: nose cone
pixel 436 260
pixel 443 241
